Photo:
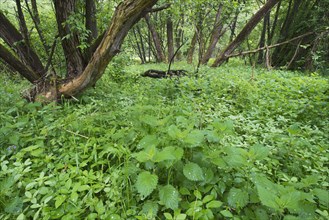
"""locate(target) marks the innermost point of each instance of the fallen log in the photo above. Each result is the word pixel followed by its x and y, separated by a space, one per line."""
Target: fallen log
pixel 164 74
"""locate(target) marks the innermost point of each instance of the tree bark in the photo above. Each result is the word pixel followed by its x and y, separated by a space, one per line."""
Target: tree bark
pixel 36 20
pixel 126 15
pixel 191 49
pixel 215 35
pixel 156 40
pixel 262 38
pixel 170 39
pixel 244 33
pixel 22 23
pixel 17 65
pixel 70 40
pixel 91 22
pixel 14 39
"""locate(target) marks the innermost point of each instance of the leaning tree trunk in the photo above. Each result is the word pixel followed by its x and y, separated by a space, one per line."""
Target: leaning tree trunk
pixel 255 19
pixel 215 35
pixel 126 15
pixel 80 75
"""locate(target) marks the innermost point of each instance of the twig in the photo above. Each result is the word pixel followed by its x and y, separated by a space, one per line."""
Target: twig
pixel 163 7
pixel 173 57
pixel 295 54
pixel 77 134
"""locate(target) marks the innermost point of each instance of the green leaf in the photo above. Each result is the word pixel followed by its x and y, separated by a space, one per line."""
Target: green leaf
pixel 150 120
pixel 226 213
pixel 323 196
pixel 194 138
pixel 146 183
pixel 146 155
pixel 214 204
pixel 268 198
pixel 148 141
pixel 167 153
pixel 14 205
pixel 238 198
pixel 150 209
pixel 167 215
pixel 100 209
pixel 207 198
pixel 181 217
pixel 59 200
pixel 174 132
pixel 193 171
pixel 169 196
pixel 258 152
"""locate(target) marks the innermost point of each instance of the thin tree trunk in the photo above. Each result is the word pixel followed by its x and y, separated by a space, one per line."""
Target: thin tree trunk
pixel 70 40
pixel 262 39
pixel 138 45
pixel 179 37
pixel 270 38
pixel 91 22
pixel 22 23
pixel 191 49
pixel 215 35
pixel 156 40
pixel 244 33
pixel 14 39
pixel 142 43
pixel 36 20
pixel 233 27
pixel 170 39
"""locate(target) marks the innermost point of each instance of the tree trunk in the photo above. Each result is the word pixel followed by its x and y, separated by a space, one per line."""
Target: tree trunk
pixel 17 65
pixel 170 39
pixel 14 39
pixel 255 19
pixel 215 35
pixel 91 22
pixel 262 38
pixel 22 23
pixel 191 49
pixel 36 20
pixel 126 15
pixel 156 40
pixel 70 40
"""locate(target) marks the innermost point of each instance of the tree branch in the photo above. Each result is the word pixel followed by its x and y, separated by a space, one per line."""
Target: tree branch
pixel 269 47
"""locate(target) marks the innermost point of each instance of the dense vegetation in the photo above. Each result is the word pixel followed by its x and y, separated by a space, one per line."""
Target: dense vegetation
pixel 246 138
pixel 228 143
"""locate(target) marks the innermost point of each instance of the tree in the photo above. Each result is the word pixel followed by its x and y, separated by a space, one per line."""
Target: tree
pixel 81 71
pixel 244 33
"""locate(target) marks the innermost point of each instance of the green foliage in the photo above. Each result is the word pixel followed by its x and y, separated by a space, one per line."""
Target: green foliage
pixel 146 183
pixel 209 147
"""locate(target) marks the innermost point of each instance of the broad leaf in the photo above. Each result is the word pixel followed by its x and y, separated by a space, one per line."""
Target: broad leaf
pixel 258 152
pixel 169 196
pixel 194 138
pixel 148 141
pixel 146 183
pixel 193 171
pixel 238 198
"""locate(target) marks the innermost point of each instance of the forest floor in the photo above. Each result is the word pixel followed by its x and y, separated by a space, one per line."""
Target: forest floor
pixel 226 143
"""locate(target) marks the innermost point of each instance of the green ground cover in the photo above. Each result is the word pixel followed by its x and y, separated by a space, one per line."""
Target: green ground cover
pixel 230 143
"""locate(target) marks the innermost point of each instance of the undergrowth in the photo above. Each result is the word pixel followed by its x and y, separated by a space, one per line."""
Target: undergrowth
pixel 227 143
